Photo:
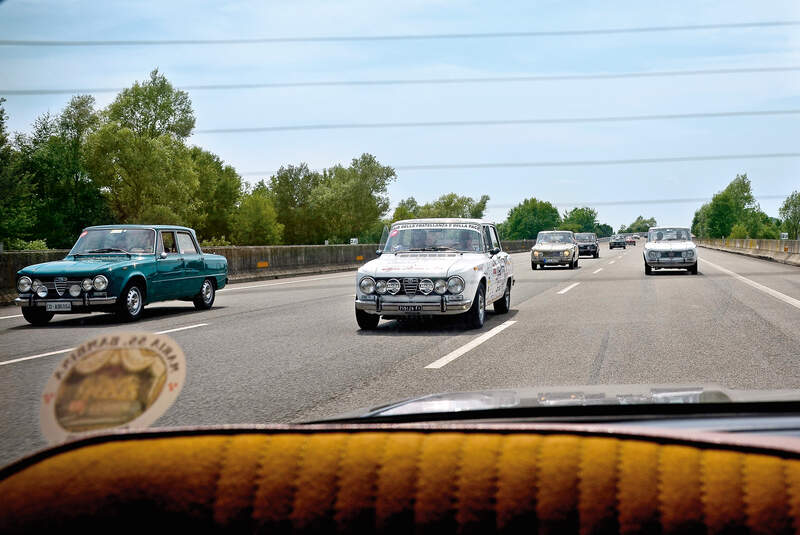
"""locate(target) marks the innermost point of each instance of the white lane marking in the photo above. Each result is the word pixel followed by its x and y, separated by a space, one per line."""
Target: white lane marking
pixel 453 355
pixel 568 288
pixel 60 351
pixel 9 317
pixel 596 271
pixel 611 262
pixel 766 289
pixel 281 283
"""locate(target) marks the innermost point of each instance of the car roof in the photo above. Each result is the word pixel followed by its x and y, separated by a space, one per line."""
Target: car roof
pixel 141 227
pixel 553 231
pixel 445 220
pixel 670 226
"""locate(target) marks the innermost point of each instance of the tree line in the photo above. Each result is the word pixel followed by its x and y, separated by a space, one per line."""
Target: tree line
pixel 532 216
pixel 734 213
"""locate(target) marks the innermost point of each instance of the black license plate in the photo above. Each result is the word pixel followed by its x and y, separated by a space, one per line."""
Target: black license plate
pixel 409 308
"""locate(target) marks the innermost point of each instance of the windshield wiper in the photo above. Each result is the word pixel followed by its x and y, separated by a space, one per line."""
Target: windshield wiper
pixel 109 250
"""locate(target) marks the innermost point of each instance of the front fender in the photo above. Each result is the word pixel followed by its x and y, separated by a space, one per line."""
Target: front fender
pixel 122 279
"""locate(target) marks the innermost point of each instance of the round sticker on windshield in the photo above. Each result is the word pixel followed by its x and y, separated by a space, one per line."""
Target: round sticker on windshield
pixel 121 380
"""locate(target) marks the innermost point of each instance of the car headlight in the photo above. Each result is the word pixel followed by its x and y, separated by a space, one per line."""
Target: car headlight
pixel 455 284
pixel 440 286
pixel 393 286
pixel 651 255
pixel 380 287
pixel 536 253
pixel 41 290
pixel 86 285
pixel 566 252
pixel 689 253
pixel 74 290
pixel 24 284
pixel 100 283
pixel 367 285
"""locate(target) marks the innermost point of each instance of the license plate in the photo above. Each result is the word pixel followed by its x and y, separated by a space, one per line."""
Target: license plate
pixel 58 307
pixel 409 308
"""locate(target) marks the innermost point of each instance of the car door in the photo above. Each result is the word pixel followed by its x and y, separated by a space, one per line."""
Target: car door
pixel 492 265
pixel 193 267
pixel 168 277
pixel 502 263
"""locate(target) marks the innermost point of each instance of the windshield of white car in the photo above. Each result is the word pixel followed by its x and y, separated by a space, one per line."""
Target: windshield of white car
pixel 121 240
pixel 668 234
pixel 585 237
pixel 434 239
pixel 554 237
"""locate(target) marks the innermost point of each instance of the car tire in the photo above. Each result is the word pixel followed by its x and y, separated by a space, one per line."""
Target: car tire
pixel 597 255
pixel 647 269
pixel 693 269
pixel 37 315
pixel 576 261
pixel 367 321
pixel 130 304
pixel 205 299
pixel 476 316
pixel 533 266
pixel 503 305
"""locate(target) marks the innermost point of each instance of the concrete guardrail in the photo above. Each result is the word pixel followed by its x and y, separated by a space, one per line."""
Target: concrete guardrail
pixel 244 263
pixel 783 251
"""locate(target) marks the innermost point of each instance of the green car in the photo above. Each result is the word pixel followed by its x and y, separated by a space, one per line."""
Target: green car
pixel 120 268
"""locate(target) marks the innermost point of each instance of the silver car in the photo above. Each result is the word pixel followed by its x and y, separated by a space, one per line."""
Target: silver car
pixel 555 248
pixel 670 248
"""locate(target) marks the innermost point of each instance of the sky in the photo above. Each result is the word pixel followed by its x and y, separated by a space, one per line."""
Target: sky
pixel 612 189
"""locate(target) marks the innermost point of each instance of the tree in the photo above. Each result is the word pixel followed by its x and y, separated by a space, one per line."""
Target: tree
pixel 153 108
pixel 603 230
pixel 574 227
pixel 700 221
pixel 291 190
pixel 256 222
pixel 17 215
pixel 639 225
pixel 528 218
pixel 406 209
pixel 790 212
pixel 454 205
pixel 217 196
pixel 738 231
pixel 584 219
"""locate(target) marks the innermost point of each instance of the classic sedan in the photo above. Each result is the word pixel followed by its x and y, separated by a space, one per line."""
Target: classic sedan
pixel 555 248
pixel 630 240
pixel 670 248
pixel 587 244
pixel 433 267
pixel 616 241
pixel 121 268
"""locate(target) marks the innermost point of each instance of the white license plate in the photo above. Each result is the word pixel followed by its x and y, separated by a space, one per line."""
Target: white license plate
pixel 58 307
pixel 409 308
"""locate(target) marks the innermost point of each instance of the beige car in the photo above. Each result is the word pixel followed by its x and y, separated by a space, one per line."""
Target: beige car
pixel 555 248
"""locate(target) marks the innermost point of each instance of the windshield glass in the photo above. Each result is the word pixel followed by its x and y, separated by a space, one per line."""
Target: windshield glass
pixel 554 237
pixel 668 234
pixel 433 238
pixel 121 240
pixel 585 237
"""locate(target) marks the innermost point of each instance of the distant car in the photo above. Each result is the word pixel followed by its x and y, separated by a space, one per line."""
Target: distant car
pixel 670 248
pixel 629 240
pixel 120 268
pixel 616 241
pixel 636 237
pixel 555 248
pixel 587 244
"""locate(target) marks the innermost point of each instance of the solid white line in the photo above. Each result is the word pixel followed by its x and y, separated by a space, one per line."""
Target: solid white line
pixel 598 270
pixel 9 317
pixel 611 262
pixel 60 351
pixel 766 289
pixel 450 357
pixel 568 288
pixel 281 283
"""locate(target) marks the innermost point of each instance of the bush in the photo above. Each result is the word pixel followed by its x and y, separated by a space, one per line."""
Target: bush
pixel 738 232
pixel 215 242
pixel 22 245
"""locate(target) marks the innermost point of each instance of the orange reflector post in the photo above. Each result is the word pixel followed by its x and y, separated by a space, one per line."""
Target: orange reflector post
pixel 359 257
pixel 263 264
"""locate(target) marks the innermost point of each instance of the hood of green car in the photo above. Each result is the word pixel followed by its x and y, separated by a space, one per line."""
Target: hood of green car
pixel 79 267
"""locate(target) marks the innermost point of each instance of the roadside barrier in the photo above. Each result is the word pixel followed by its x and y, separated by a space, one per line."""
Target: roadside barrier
pixel 783 251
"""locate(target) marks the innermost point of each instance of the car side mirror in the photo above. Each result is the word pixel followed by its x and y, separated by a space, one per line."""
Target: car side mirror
pixel 494 251
pixel 163 255
pixel 378 252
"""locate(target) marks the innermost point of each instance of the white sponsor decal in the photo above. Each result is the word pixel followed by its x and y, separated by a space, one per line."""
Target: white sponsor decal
pixel 469 226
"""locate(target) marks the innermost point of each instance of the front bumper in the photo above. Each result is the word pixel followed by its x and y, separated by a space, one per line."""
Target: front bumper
pixel 555 261
pixel 88 302
pixel 390 306
pixel 587 249
pixel 671 262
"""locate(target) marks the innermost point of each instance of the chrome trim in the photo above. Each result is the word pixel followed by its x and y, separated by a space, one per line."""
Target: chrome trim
pixel 428 308
pixel 26 301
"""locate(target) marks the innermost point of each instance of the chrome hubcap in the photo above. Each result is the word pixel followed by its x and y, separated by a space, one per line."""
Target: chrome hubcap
pixel 134 301
pixel 508 296
pixel 208 292
pixel 481 307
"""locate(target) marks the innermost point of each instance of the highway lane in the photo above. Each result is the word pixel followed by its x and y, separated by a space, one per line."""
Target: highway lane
pixel 289 349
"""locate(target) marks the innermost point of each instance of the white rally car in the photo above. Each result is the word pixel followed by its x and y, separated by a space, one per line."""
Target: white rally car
pixel 432 267
pixel 670 248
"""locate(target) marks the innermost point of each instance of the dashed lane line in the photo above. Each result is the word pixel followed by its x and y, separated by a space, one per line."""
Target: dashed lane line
pixel 766 289
pixel 453 355
pixel 568 288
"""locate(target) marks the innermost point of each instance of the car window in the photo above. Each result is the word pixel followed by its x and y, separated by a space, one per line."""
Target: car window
pixel 495 239
pixel 167 243
pixel 487 237
pixel 186 244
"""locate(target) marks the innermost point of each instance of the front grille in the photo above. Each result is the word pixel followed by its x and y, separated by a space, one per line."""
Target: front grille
pixel 670 254
pixel 410 286
pixel 552 254
pixel 60 285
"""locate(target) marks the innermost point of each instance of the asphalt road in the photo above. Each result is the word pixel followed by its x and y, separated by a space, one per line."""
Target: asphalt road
pixel 289 350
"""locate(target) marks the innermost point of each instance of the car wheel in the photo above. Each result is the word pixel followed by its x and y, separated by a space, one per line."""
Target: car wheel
pixel 597 255
pixel 130 304
pixel 576 261
pixel 693 269
pixel 502 305
pixel 533 265
pixel 366 321
pixel 37 315
pixel 647 269
pixel 205 299
pixel 476 316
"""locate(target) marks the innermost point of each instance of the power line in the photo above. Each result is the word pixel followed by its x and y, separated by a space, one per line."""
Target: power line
pixel 637 202
pixel 576 163
pixel 399 37
pixel 422 81
pixel 495 122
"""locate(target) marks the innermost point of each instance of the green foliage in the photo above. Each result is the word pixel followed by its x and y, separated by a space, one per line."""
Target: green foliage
pixel 574 227
pixel 603 231
pixel 583 219
pixel 17 215
pixel 738 231
pixel 734 209
pixel 406 209
pixel 639 226
pixel 217 196
pixel 448 205
pixel 528 218
pixel 256 222
pixel 22 245
pixel 790 212
pixel 216 242
pixel 291 192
